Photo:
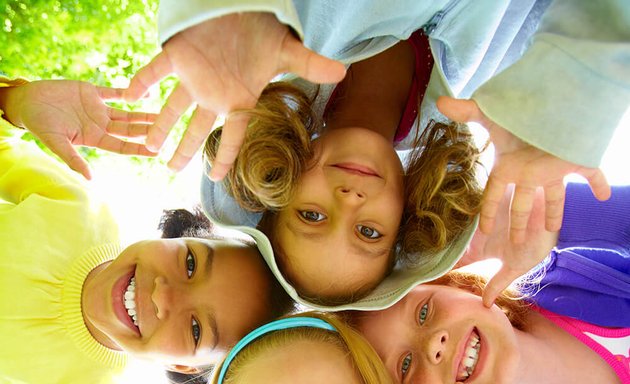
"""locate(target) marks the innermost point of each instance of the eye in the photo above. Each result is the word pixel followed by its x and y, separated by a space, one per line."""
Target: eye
pixel 312 216
pixel 191 264
pixel 406 363
pixel 195 330
pixel 424 311
pixel 368 232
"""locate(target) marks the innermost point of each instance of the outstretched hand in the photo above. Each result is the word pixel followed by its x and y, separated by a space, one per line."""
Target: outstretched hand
pixel 528 168
pixel 223 65
pixel 63 113
pixel 516 259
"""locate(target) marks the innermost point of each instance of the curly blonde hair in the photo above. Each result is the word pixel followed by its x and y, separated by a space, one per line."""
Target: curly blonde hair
pixel 360 353
pixel 441 190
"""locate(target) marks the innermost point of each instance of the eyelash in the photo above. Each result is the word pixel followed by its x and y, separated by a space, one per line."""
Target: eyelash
pixel 191 264
pixel 305 214
pixel 422 317
pixel 369 236
pixel 406 363
pixel 424 312
pixel 196 331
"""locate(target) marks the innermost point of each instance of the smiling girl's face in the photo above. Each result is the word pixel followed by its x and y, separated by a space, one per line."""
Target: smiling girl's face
pixel 442 334
pixel 178 301
pixel 337 233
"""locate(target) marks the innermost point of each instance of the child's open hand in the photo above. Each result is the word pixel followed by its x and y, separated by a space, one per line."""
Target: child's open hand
pixel 63 113
pixel 223 65
pixel 516 259
pixel 528 168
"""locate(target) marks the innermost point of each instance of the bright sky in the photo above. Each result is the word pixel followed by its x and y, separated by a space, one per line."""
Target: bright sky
pixel 139 199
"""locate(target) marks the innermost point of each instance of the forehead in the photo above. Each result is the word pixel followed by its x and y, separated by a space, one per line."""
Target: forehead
pixel 303 361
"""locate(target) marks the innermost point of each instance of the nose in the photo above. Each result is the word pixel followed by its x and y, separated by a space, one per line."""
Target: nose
pixel 350 195
pixel 162 297
pixel 436 346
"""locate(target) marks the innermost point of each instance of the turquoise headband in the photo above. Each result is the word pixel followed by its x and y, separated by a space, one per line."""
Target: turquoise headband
pixel 288 323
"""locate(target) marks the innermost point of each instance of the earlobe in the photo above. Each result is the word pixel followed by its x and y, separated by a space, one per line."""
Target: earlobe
pixel 185 369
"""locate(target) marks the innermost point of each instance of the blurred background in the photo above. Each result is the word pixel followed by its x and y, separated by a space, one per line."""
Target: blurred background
pixel 105 42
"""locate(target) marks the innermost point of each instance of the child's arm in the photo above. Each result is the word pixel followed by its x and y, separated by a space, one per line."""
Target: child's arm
pixel 63 113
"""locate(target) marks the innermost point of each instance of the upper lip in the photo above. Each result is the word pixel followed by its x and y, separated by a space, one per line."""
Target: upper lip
pixel 461 348
pixel 357 169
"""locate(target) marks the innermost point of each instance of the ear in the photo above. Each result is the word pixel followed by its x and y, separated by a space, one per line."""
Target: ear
pixel 185 369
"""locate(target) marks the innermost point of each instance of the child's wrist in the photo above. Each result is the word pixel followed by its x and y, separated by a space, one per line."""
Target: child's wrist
pixel 10 104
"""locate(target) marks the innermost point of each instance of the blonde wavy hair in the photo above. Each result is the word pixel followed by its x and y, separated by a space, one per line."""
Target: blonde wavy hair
pixel 441 190
pixel 360 353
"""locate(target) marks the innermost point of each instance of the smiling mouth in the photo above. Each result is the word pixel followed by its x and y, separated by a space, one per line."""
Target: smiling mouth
pixel 470 359
pixel 356 169
pixel 129 300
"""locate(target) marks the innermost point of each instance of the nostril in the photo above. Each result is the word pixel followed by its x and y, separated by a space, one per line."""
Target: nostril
pixel 438 355
pixel 443 339
pixel 345 190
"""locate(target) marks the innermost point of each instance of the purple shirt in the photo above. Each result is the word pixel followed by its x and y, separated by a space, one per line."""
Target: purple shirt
pixel 587 276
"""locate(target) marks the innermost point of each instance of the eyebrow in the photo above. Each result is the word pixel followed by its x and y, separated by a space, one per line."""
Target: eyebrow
pixel 212 321
pixel 361 248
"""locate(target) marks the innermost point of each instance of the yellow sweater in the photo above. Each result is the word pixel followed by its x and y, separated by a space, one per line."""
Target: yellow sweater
pixel 51 236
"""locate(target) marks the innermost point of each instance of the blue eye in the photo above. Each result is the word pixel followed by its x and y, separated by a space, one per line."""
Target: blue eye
pixel 424 311
pixel 406 363
pixel 368 232
pixel 191 264
pixel 312 216
pixel 196 331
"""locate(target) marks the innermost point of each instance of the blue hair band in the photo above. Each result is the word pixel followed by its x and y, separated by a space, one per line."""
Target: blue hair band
pixel 287 323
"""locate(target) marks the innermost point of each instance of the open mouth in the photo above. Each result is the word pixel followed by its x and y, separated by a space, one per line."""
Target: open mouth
pixel 125 303
pixel 467 365
pixel 129 299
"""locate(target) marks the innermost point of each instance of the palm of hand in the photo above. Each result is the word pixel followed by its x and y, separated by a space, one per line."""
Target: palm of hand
pixel 223 65
pixel 63 113
pixel 74 112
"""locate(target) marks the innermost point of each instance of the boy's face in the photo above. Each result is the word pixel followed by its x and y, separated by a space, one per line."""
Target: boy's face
pixel 338 231
pixel 441 334
pixel 193 299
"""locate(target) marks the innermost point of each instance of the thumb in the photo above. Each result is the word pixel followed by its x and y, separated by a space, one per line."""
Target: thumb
pixel 459 110
pixel 66 151
pixel 310 65
pixel 498 283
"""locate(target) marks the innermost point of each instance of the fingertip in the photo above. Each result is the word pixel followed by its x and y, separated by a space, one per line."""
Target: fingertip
pixel 488 302
pixel 216 175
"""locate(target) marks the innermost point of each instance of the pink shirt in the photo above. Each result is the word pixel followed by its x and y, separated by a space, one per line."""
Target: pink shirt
pixel 612 344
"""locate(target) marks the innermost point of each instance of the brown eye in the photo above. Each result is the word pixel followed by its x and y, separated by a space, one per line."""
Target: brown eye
pixel 196 331
pixel 191 264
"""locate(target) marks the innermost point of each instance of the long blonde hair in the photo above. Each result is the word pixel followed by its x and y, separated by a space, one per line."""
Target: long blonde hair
pixel 361 354
pixel 441 189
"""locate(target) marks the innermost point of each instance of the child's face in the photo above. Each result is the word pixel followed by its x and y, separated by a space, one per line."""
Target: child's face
pixel 303 361
pixel 194 298
pixel 426 337
pixel 338 231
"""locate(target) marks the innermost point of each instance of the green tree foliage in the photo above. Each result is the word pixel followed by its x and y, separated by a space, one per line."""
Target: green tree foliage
pixel 101 41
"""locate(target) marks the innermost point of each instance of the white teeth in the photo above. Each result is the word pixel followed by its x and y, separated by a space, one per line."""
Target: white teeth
pixel 471 356
pixel 130 300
